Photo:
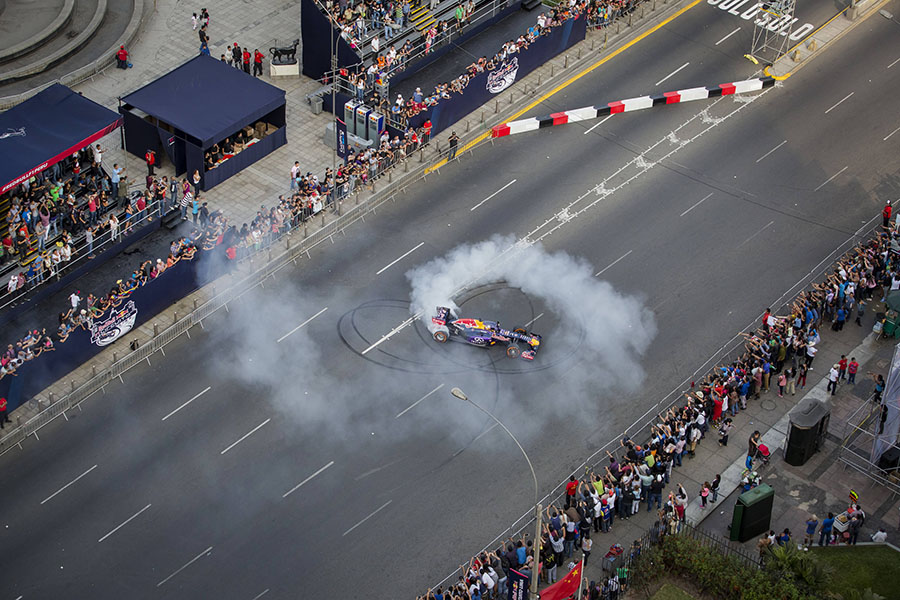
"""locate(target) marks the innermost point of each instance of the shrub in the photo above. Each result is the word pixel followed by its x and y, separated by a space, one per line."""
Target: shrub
pixel 788 575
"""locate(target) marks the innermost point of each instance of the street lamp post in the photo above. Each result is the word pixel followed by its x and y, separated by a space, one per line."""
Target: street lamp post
pixel 458 393
pixel 334 75
pixel 889 16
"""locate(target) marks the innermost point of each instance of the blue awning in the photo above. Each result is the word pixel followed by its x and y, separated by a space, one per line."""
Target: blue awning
pixel 206 99
pixel 47 128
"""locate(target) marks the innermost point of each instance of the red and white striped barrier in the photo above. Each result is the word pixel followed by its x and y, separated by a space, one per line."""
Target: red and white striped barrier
pixel 631 104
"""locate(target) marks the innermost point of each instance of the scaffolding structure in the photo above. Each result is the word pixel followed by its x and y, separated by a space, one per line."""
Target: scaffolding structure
pixel 771 29
pixel 858 439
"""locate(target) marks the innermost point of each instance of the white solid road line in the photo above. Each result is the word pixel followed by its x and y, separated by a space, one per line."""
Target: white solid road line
pixel 124 523
pixel 672 73
pixel 383 269
pixel 696 205
pixel 890 134
pixel 602 121
pixel 824 183
pixel 766 226
pixel 612 263
pixel 771 151
pixel 245 436
pixel 189 563
pixel 375 512
pixel 68 484
pixel 728 36
pixel 492 195
pixel 533 320
pixel 405 410
pixel 186 403
pixel 376 469
pixel 893 63
pixel 478 437
pixel 301 325
pixel 838 104
pixel 297 487
pixel 392 333
pixel 261 594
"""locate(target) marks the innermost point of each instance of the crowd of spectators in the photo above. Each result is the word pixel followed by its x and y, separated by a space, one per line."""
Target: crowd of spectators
pixel 82 312
pixel 777 356
pixel 363 81
pixel 63 214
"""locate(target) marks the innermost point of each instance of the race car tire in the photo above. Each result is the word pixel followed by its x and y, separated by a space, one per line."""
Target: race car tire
pixel 520 330
pixel 441 335
pixel 512 351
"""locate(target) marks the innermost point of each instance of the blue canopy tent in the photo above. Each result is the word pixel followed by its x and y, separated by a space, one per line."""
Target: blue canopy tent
pixel 47 128
pixel 199 104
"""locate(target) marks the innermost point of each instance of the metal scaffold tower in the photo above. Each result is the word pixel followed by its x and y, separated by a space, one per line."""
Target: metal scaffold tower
pixel 771 29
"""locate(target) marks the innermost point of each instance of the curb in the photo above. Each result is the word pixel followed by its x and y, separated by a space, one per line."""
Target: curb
pixel 80 40
pixel 776 437
pixel 631 104
pixel 819 41
pixel 90 69
pixel 64 16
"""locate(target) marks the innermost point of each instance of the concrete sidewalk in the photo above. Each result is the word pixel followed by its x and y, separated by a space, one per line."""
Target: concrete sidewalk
pixel 167 41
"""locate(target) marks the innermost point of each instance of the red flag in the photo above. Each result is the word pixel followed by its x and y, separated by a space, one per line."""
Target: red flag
pixel 565 587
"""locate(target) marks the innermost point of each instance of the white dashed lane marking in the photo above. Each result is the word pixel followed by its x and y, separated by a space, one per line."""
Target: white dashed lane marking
pixel 385 268
pixel 68 484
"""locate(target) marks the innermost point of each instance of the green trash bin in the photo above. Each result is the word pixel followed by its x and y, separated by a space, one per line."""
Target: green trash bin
pixel 890 328
pixel 752 513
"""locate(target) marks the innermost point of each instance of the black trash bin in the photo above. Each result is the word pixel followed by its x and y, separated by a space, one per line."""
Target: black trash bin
pixel 809 424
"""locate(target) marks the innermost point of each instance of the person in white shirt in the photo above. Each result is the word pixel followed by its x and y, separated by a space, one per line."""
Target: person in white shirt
pixel 74 299
pixel 833 376
pixel 98 154
pixel 880 537
pixel 295 170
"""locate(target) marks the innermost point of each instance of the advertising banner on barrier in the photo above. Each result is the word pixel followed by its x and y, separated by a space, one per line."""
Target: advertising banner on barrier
pixel 341 132
pixel 485 86
pixel 518 585
pixel 132 311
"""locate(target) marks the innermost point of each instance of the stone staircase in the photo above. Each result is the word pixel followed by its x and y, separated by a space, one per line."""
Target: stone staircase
pixel 66 41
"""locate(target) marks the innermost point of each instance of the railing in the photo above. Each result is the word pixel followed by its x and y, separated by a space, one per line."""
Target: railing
pixel 272 263
pixel 659 532
pixel 8 298
pixel 862 426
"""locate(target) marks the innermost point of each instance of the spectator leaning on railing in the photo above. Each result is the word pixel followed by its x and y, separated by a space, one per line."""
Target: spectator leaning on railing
pixel 62 214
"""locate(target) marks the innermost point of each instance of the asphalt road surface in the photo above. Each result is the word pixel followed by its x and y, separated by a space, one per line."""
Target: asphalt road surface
pixel 269 455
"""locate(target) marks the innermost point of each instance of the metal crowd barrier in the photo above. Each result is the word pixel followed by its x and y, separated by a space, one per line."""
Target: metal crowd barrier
pixel 273 263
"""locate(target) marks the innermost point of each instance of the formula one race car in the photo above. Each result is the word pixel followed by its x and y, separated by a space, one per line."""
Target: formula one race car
pixel 519 342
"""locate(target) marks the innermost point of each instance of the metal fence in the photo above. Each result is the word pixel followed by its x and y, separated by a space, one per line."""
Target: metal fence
pixel 659 532
pixel 281 251
pixel 80 246
pixel 860 432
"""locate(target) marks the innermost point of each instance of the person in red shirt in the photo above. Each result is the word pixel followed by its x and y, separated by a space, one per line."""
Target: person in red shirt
pixel 246 61
pixel 150 157
pixel 852 368
pixel 571 490
pixel 92 209
pixel 122 58
pixel 257 62
pixel 141 206
pixel 4 417
pixel 886 214
pixel 842 367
